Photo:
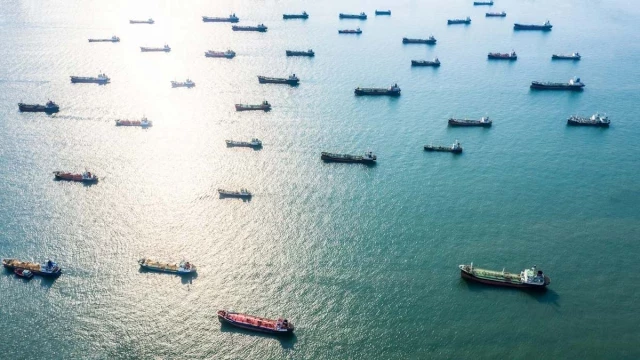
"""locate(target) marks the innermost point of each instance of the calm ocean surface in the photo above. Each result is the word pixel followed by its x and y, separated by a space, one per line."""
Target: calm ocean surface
pixel 362 259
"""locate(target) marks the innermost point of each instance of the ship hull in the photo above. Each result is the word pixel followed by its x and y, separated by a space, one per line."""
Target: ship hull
pixel 166 271
pixel 424 63
pixel 53 274
pixel 286 17
pixel 560 57
pixel 532 27
pixel 235 28
pixel 78 80
pixel 494 15
pixel 252 108
pixel 300 53
pixel 263 80
pixel 229 20
pixel 419 41
pixel 565 87
pixel 344 160
pixel 154 49
pixel 37 108
pixel 358 17
pixel 349 32
pixel 472 277
pixel 499 57
pixel 376 92
pixel 383 12
pixel 75 178
pixel 442 149
pixel 593 124
pixel 250 327
pixel 469 123
pixel 103 40
pixel 457 22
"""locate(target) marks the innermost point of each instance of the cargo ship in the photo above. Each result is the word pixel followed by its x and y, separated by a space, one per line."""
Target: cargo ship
pixel 254 143
pixel 304 15
pixel 100 79
pixel 231 18
pixel 49 107
pixel 383 12
pixel 574 56
pixel 165 48
pixel 476 3
pixel 183 268
pixel 148 21
pixel 229 54
pixel 527 279
pixel 48 268
pixel 259 28
pixel 574 85
pixel 291 80
pixel 459 21
pixel 278 326
pixel 242 193
pixel 546 26
pixel 484 121
pixel 430 40
pixel 496 14
pixel 361 16
pixel 144 122
pixel 506 56
pixel 113 39
pixel 390 91
pixel 350 31
pixel 366 158
pixel 308 53
pixel 594 120
pixel 188 83
pixel 85 177
pixel 247 107
pixel 434 63
pixel 456 148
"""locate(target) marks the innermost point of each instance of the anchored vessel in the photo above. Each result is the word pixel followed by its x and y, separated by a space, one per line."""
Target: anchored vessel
pixel 350 31
pixel 165 48
pixel 113 39
pixel 184 267
pixel 573 84
pixel 187 83
pixel 434 63
pixel 546 26
pixel 23 273
pixel 361 16
pixel 85 177
pixel 246 107
pixel 231 18
pixel 278 326
pixel 484 121
pixel 456 148
pixel 309 53
pixel 242 193
pixel 459 21
pixel 430 40
pixel 229 54
pixel 149 21
pixel 259 27
pixel 594 120
pixel 390 91
pixel 254 143
pixel 141 123
pixel 304 15
pixel 574 56
pixel 50 107
pixel 366 158
pixel 48 268
pixel 496 14
pixel 490 3
pixel 100 79
pixel 383 12
pixel 291 80
pixel 528 278
pixel 506 56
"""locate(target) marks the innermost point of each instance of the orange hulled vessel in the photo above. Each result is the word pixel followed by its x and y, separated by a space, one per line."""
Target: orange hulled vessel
pixel 278 326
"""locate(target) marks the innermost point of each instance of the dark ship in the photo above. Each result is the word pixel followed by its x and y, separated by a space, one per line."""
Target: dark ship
pixel 383 12
pixel 367 158
pixel 459 21
pixel 430 40
pixel 490 3
pixel 390 91
pixel 544 27
pixel 50 107
pixel 594 120
pixel 259 28
pixel 232 19
pixel 304 15
pixel 264 106
pixel 573 84
pixel 309 53
pixel 483 121
pixel 506 56
pixel 574 56
pixel 112 39
pixel 291 80
pixel 496 14
pixel 350 31
pixel 361 16
pixel 527 279
pixel 456 148
pixel 435 62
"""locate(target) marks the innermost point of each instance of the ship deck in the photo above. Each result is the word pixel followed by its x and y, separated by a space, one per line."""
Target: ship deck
pixel 496 275
pixel 253 320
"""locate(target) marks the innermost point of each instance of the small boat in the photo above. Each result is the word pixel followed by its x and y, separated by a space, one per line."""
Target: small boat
pixel 383 12
pixel 242 193
pixel 247 107
pixel 183 268
pixel 85 177
pixel 350 31
pixel 430 40
pixel 259 28
pixel 304 15
pixel 526 279
pixel 291 80
pixel 229 54
pixel 254 143
pixel 484 121
pixel 366 158
pixel 49 107
pixel 456 148
pixel 113 39
pixel 361 16
pixel 546 26
pixel 435 62
pixel 496 14
pixel 390 91
pixel 506 56
pixel 574 84
pixel 144 123
pixel 232 19
pixel 476 3
pixel 596 119
pixel 308 53
pixel 188 83
pixel 459 21
pixel 574 56
pixel 100 79
pixel 48 268
pixel 23 273
pixel 278 326
pixel 148 21
pixel 165 48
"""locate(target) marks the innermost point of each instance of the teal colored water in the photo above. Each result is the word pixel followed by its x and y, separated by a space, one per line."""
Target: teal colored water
pixel 362 259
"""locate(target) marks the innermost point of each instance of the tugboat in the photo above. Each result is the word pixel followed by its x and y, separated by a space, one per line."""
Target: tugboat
pixel 506 56
pixel 496 14
pixel 383 12
pixel 484 121
pixel 149 21
pixel 271 326
pixel 526 279
pixel 390 91
pixel 456 148
pixel 100 79
pixel 165 48
pixel 49 108
pixel 434 63
pixel 259 28
pixel 366 158
pixel 573 84
pixel 350 31
pixel 308 53
pixel 243 193
pixel 113 39
pixel 546 26
pixel 48 269
pixel 574 56
pixel 361 16
pixel 184 268
pixel 304 15
pixel 490 3
pixel 595 120
pixel 466 21
pixel 232 19
pixel 229 54
pixel 85 177
pixel 246 107
pixel 254 143
pixel 144 123
pixel 291 80
pixel 187 83
pixel 431 40
pixel 23 273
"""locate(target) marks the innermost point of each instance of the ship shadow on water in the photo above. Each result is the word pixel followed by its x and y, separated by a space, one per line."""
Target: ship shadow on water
pixel 185 279
pixel 286 341
pixel 545 295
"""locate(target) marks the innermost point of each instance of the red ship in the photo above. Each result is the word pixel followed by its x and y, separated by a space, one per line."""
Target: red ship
pixel 86 177
pixel 271 326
